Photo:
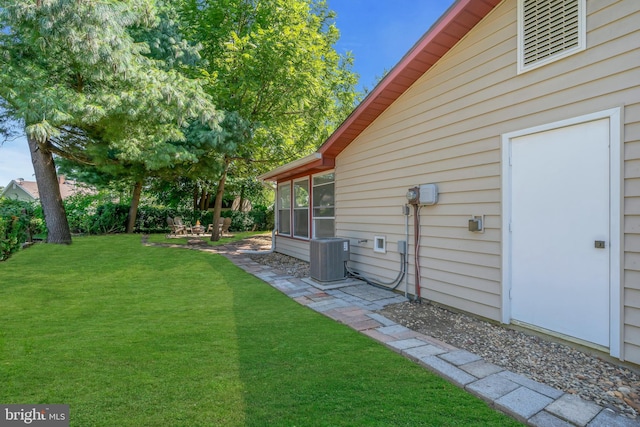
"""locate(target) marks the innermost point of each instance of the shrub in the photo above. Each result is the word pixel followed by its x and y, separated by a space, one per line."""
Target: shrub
pixel 259 216
pixel 110 218
pixel 240 221
pixel 8 238
pixel 80 209
pixel 151 219
pixel 19 222
pixel 95 214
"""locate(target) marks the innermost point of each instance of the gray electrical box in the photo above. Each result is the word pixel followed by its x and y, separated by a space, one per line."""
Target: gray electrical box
pixel 327 259
pixel 428 194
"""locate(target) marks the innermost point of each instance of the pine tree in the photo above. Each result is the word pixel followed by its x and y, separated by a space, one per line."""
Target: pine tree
pixel 74 74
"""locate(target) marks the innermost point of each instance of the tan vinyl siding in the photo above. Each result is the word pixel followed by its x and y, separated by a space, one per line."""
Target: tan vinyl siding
pixel 447 128
pixel 293 247
pixel 631 229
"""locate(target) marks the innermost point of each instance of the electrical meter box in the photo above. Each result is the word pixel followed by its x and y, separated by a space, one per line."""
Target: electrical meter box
pixel 327 259
pixel 428 194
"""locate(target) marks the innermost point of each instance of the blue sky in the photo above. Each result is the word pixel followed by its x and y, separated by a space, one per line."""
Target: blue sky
pixel 380 32
pixel 377 32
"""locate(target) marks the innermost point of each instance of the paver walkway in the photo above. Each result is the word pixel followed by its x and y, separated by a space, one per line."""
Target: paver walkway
pixel 355 303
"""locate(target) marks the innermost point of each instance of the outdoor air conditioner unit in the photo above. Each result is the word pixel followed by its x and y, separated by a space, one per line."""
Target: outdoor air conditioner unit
pixel 328 257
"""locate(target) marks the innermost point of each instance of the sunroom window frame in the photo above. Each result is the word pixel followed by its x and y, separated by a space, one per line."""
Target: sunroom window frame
pixel 313 216
pixel 300 208
pixel 280 186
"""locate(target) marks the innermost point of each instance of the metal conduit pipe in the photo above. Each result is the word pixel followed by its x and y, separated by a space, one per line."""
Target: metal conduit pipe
pixel 404 263
pixel 416 238
pixel 378 284
pixel 405 212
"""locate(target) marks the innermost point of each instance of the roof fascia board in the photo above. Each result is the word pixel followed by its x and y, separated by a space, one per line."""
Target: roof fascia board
pixel 290 166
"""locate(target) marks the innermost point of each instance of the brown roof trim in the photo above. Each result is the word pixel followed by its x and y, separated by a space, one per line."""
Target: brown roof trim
pixel 308 165
pixel 445 33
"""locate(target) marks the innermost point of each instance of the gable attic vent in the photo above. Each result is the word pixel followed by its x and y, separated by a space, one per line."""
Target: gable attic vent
pixel 549 30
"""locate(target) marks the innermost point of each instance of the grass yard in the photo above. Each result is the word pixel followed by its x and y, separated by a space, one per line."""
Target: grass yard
pixel 129 335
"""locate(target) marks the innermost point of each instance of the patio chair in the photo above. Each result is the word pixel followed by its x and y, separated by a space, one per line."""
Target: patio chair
pixel 210 226
pixel 223 226
pixel 176 228
pixel 226 223
pixel 178 222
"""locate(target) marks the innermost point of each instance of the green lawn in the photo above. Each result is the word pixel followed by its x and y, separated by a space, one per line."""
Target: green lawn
pixel 129 335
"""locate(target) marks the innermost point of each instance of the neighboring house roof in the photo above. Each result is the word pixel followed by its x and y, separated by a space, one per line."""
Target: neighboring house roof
pixel 452 26
pixel 21 190
pixel 28 190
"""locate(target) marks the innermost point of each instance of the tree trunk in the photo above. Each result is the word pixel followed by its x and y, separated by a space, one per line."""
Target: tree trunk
pixel 133 209
pixel 55 216
pixel 195 197
pixel 217 206
pixel 203 200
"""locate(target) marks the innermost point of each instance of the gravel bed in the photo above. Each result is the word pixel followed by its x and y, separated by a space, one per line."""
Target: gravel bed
pixel 290 265
pixel 541 359
pixel 549 362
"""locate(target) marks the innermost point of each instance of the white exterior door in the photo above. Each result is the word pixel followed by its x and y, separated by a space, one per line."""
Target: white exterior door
pixel 560 230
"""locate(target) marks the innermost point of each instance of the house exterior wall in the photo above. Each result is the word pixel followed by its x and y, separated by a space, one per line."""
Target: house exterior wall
pixel 14 192
pixel 447 128
pixel 296 248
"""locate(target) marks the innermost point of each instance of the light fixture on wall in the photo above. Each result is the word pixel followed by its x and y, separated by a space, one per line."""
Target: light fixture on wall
pixel 476 224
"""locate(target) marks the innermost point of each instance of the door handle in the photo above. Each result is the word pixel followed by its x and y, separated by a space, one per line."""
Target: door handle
pixel 599 244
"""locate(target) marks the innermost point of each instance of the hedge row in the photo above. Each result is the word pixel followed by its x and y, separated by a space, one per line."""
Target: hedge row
pixel 98 214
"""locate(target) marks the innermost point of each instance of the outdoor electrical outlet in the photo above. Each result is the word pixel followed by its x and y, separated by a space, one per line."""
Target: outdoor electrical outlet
pixel 476 224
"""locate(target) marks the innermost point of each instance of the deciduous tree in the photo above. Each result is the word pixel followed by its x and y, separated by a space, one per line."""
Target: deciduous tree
pixel 271 62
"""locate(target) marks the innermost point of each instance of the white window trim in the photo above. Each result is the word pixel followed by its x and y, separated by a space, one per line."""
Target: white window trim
pixel 308 208
pixel 313 217
pixel 582 39
pixel 281 184
pixel 326 183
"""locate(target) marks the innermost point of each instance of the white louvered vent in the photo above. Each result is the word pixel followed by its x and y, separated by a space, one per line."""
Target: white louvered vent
pixel 550 29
